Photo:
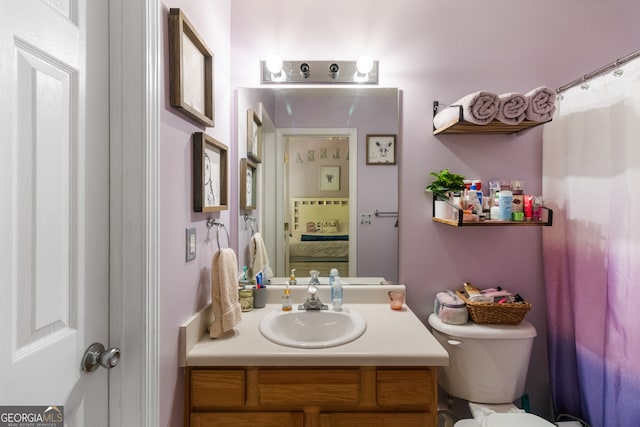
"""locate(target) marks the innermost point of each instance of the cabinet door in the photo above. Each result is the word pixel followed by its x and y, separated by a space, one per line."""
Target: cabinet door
pixel 244 419
pixel 213 388
pixel 377 419
pixel 404 387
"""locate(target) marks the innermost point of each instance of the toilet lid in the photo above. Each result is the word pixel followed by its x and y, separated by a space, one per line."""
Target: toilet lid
pixel 523 419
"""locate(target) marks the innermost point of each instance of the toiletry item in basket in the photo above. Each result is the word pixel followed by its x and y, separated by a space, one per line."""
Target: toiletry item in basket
pixel 474 294
pixel 450 308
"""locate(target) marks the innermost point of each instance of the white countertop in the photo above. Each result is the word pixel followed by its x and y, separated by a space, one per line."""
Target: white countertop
pixel 392 337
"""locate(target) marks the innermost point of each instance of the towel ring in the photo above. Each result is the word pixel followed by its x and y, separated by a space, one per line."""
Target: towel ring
pixel 210 223
pixel 253 225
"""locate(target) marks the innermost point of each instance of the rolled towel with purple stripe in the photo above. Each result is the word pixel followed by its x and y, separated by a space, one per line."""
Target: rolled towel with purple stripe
pixel 479 108
pixel 512 108
pixel 542 104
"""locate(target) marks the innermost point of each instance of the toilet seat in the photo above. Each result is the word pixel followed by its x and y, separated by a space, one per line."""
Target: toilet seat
pixel 523 419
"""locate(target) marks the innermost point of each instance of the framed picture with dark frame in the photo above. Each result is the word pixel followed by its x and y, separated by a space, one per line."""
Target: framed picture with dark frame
pixel 381 150
pixel 210 174
pixel 248 184
pixel 254 136
pixel 190 70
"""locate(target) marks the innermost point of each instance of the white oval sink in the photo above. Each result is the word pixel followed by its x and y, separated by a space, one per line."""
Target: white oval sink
pixel 313 328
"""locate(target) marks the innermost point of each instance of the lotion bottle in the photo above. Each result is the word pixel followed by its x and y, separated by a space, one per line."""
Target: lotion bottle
pixel 336 293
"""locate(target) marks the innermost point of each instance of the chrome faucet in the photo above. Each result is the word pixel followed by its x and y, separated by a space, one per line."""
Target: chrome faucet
pixel 313 301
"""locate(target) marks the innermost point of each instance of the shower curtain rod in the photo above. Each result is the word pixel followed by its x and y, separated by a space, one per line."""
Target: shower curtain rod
pixel 601 70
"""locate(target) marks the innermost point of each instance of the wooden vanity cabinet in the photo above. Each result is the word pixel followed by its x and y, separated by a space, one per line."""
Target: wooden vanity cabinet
pixel 310 396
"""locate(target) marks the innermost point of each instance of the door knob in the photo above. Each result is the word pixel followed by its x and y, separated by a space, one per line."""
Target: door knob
pixel 96 355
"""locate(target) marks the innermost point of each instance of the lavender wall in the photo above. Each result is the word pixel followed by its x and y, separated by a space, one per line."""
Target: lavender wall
pixel 185 286
pixel 443 50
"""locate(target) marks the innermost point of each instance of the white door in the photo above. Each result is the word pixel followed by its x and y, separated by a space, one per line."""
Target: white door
pixel 54 198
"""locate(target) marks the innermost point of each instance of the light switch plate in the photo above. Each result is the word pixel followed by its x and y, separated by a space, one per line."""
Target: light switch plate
pixel 365 219
pixel 191 244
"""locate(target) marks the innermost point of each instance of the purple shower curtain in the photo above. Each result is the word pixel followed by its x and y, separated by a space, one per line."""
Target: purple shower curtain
pixel 591 179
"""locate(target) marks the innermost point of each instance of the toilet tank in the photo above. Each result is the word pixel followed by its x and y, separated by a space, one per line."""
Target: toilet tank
pixel 487 363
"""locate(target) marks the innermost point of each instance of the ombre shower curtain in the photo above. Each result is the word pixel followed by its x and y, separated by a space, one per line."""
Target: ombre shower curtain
pixel 591 179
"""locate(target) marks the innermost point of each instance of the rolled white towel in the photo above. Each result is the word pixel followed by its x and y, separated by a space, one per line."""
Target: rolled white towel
pixel 512 108
pixel 479 108
pixel 542 104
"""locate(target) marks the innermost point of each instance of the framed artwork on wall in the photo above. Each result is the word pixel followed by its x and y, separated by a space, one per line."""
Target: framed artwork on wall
pixel 210 165
pixel 381 150
pixel 248 184
pixel 254 136
pixel 190 70
pixel 330 178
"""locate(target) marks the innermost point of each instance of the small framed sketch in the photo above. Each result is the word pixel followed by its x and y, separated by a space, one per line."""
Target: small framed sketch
pixel 248 184
pixel 330 178
pixel 210 163
pixel 381 149
pixel 190 70
pixel 254 136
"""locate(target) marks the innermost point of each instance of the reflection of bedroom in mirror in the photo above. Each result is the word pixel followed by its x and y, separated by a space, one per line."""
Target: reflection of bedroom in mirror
pixel 319 211
pixel 351 113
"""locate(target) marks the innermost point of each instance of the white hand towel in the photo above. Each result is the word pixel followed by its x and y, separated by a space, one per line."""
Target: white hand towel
pixel 542 104
pixel 224 293
pixel 512 108
pixel 258 257
pixel 479 108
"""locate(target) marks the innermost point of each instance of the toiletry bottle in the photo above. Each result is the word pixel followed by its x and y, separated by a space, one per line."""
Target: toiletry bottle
pixel 336 293
pixel 504 204
pixel 332 274
pixel 517 203
pixel 292 278
pixel 475 199
pixel 495 206
pixel 286 299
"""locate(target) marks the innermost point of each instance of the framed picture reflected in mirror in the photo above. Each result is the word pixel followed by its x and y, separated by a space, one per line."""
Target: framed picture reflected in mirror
pixel 381 150
pixel 254 136
pixel 248 184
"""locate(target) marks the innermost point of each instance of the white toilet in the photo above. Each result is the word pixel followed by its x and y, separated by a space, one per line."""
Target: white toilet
pixel 488 367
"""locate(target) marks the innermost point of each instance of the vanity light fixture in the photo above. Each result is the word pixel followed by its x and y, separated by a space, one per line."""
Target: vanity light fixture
pixel 363 71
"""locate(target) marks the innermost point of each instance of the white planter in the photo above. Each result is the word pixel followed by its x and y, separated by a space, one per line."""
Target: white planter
pixel 443 210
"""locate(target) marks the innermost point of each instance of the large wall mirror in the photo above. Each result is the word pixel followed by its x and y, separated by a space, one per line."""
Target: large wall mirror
pixel 317 193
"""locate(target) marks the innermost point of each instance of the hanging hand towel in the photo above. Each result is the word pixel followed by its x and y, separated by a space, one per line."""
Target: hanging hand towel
pixel 542 104
pixel 512 108
pixel 479 108
pixel 258 255
pixel 224 293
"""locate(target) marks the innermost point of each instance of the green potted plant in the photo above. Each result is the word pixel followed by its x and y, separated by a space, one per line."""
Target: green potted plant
pixel 445 184
pixel 443 187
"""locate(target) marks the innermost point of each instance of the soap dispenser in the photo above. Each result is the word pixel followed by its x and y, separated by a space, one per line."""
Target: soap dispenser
pixel 292 278
pixel 286 297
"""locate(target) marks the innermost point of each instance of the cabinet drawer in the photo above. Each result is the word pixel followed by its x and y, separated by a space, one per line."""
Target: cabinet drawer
pixel 217 388
pixel 376 419
pixel 243 419
pixel 402 387
pixel 307 387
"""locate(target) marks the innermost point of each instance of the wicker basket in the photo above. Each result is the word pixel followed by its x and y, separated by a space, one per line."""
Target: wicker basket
pixel 497 314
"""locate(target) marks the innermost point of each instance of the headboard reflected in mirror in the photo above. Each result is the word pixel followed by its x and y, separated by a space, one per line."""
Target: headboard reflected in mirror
pixel 320 235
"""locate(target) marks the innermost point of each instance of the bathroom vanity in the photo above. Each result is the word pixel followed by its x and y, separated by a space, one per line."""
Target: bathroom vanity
pixel 386 377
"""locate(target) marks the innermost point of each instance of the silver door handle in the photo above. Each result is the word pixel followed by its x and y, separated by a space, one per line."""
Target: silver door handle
pixel 96 355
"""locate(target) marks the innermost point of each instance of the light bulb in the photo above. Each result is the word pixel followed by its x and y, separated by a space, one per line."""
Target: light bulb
pixel 274 64
pixel 364 64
